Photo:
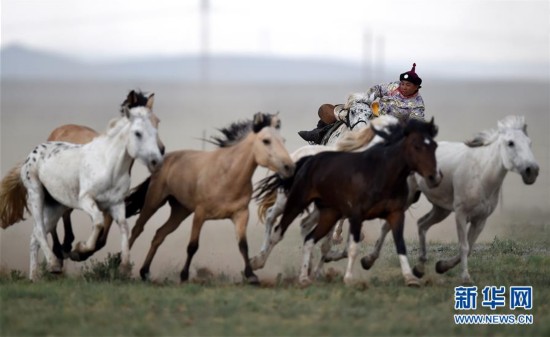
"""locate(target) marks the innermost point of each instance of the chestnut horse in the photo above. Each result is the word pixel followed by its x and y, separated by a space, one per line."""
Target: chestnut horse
pixel 360 186
pixel 212 184
pixel 80 134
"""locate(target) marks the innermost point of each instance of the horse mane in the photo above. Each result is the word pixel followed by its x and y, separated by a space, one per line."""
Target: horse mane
pixel 487 137
pixel 237 131
pixel 353 140
pixel 140 100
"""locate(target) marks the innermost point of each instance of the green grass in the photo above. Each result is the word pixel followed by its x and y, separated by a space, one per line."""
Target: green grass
pixel 214 305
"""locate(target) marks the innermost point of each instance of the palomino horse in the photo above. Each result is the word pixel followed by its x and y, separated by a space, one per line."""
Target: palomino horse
pixel 473 173
pixel 212 184
pixel 272 203
pixel 79 134
pixel 94 177
pixel 360 186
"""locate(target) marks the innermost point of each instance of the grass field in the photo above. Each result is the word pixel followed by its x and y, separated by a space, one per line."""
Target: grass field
pixel 95 303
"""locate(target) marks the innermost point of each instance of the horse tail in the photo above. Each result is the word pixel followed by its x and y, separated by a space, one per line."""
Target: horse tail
pixel 266 189
pixel 135 200
pixel 13 198
pixel 265 203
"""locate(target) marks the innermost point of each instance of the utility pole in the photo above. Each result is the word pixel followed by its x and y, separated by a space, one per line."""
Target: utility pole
pixel 205 40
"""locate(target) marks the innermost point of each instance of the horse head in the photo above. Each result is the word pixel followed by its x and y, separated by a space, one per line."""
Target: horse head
pixel 515 148
pixel 143 138
pixel 137 99
pixel 269 150
pixel 421 146
pixel 359 111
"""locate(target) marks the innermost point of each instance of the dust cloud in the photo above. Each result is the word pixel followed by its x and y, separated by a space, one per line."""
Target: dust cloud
pixel 190 112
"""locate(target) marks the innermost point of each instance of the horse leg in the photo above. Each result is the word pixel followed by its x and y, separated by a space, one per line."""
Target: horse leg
pixel 396 220
pixel 52 214
pixel 292 210
pixel 68 231
pixel 325 249
pixel 475 229
pixel 193 246
pixel 177 214
pixel 154 199
pixel 355 224
pixel 307 225
pixel 57 248
pixel 101 240
pixel 436 215
pixel 37 207
pixel 368 261
pixel 272 213
pixel 327 219
pixel 118 212
pixel 89 206
pixel 443 266
pixel 337 232
pixel 240 219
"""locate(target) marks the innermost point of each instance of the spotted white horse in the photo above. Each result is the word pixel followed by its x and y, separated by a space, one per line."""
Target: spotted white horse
pixel 94 177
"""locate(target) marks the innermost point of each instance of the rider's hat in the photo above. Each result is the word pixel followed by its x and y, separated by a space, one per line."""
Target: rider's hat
pixel 411 76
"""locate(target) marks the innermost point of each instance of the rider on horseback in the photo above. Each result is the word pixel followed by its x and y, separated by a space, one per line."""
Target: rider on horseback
pixel 400 99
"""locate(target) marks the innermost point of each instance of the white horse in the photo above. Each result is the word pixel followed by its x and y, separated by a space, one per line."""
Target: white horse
pixel 94 177
pixel 473 173
pixel 351 141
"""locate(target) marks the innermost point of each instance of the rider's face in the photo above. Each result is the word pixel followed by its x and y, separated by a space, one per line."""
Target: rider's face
pixel 407 88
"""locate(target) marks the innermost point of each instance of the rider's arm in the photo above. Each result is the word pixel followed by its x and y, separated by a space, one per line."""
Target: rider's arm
pixel 418 110
pixel 378 91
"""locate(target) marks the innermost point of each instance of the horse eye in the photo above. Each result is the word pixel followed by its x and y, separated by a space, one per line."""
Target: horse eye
pixel 511 143
pixel 266 141
pixel 138 134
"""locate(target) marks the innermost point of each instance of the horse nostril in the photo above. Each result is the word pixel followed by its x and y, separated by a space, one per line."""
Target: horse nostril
pixel 162 149
pixel 154 163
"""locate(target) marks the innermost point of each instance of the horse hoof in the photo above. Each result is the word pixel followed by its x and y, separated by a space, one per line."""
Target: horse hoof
pixel 144 274
pixel 253 280
pixel 305 281
pixel 418 271
pixel 75 256
pixel 412 282
pixel 467 281
pixel 255 263
pixel 440 267
pixel 55 268
pixel 367 262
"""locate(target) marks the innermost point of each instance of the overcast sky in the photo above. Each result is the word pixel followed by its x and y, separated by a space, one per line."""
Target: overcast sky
pixel 453 32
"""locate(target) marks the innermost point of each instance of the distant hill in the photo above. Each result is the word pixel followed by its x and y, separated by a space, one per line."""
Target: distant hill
pixel 18 62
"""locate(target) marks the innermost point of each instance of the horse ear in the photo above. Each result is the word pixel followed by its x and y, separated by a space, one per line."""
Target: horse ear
pixel 132 98
pixel 150 101
pixel 258 122
pixel 435 128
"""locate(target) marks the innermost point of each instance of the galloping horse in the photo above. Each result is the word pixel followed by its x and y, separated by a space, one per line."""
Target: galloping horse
pixel 273 203
pixel 360 186
pixel 212 184
pixel 94 177
pixel 473 173
pixel 79 134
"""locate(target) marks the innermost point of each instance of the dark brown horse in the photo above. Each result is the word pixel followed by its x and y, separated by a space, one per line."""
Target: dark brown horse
pixel 359 186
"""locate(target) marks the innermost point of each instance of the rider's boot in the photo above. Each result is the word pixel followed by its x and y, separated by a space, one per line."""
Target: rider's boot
pixel 314 136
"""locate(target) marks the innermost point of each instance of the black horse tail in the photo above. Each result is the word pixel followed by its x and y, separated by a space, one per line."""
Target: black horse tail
pixel 135 200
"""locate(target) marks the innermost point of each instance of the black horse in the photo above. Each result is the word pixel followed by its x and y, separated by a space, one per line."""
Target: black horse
pixel 358 186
